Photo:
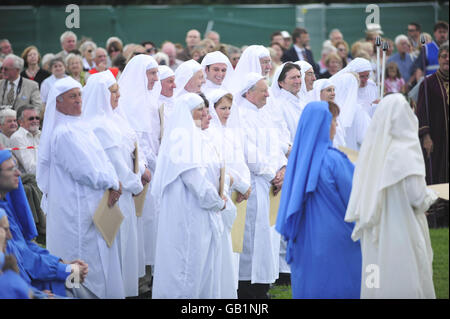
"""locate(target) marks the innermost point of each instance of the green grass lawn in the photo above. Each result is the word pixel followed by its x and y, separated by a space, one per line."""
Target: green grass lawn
pixel 439 241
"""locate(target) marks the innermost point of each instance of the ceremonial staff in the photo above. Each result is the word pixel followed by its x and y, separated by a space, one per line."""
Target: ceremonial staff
pixel 424 57
pixel 378 44
pixel 383 66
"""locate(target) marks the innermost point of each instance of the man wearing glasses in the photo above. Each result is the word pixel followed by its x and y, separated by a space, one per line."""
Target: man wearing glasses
pixel 16 90
pixel 27 135
pixel 150 47
pixel 414 30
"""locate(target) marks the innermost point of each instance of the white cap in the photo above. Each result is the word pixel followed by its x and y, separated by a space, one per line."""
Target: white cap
pixel 285 34
pixel 374 27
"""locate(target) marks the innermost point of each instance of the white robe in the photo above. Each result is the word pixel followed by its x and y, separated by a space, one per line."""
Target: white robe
pixel 150 214
pixel 121 158
pixel 228 261
pixel 189 241
pixel 367 95
pixel 388 203
pixel 259 260
pixel 274 108
pixel 403 255
pixel 168 107
pixel 354 135
pixel 80 173
pixel 292 108
pixel 209 86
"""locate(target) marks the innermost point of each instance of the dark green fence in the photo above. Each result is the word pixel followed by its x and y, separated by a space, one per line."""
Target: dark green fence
pixel 237 24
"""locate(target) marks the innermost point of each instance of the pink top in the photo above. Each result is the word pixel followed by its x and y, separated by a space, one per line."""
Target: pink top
pixel 393 86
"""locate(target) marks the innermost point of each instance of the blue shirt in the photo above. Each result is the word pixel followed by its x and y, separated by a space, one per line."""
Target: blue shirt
pixel 405 65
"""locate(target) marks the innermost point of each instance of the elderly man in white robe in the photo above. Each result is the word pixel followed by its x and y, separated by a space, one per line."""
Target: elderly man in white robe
pixel 368 95
pixel 189 78
pixel 166 99
pixel 259 260
pixel 217 69
pixel 190 225
pixel 140 90
pixel 101 95
pixel 390 218
pixel 255 58
pixel 73 173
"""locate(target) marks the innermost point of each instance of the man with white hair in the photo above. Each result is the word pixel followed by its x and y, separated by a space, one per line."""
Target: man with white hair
pixel 73 172
pixel 216 67
pixel 68 43
pixel 27 135
pixel 335 36
pixel 101 62
pixel 166 101
pixel 169 49
pixel 189 78
pixel 16 90
pixel 5 48
pixel 8 125
pixel 259 260
pixel 403 58
pixel 214 36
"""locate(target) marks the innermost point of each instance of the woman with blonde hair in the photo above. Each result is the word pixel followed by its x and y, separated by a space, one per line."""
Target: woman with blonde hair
pixel 74 65
pixel 32 71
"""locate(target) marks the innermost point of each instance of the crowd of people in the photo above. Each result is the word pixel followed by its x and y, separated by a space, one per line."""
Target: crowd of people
pixel 180 138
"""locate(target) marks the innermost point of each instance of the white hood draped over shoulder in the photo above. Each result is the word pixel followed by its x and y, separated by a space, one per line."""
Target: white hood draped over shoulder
pixel 388 203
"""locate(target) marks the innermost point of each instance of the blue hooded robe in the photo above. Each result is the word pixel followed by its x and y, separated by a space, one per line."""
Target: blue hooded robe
pixel 37 266
pixel 324 260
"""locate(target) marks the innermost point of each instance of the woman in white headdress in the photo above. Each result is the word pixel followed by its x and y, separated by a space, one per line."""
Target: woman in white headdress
pixel 324 90
pixel 352 117
pixel 225 132
pixel 101 95
pixel 188 78
pixel 308 77
pixel 190 225
pixel 140 89
pixel 285 101
pixel 388 203
pixel 217 70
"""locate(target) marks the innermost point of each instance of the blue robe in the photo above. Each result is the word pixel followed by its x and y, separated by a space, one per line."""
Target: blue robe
pixel 12 286
pixel 325 262
pixel 37 266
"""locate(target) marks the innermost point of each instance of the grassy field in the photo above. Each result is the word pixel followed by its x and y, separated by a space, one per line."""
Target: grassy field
pixel 439 241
